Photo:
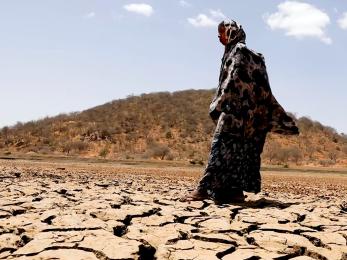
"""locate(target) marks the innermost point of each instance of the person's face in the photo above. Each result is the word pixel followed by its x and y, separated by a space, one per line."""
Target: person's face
pixel 223 38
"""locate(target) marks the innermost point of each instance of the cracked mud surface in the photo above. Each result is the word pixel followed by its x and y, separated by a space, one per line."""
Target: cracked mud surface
pixel 50 211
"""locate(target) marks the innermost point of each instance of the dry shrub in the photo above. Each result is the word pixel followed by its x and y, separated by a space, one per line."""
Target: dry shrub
pixel 170 157
pixel 295 154
pixel 282 155
pixel 44 150
pixel 104 151
pixel 332 156
pixel 74 146
pixel 326 163
pixel 344 149
pixel 157 150
pixel 270 150
pixel 305 124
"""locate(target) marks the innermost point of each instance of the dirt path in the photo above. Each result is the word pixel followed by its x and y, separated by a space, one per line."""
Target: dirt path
pixel 81 211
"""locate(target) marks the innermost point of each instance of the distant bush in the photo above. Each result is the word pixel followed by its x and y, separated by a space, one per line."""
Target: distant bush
pixel 295 154
pixel 332 156
pixel 168 135
pixel 4 132
pixel 74 146
pixel 80 146
pixel 44 150
pixel 157 150
pixel 326 163
pixel 282 155
pixel 33 148
pixel 305 124
pixel 170 157
pixel 344 149
pixel 104 151
pixel 271 150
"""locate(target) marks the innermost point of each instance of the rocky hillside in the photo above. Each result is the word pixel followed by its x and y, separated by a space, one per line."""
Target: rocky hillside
pixel 170 126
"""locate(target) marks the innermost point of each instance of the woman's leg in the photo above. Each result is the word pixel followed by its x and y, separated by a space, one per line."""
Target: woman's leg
pixel 204 186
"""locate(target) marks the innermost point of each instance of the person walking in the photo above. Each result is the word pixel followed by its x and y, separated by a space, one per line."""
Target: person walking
pixel 244 111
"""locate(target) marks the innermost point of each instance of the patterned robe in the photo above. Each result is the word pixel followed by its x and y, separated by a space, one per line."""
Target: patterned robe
pixel 244 110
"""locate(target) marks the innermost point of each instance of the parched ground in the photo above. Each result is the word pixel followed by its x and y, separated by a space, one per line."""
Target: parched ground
pixel 64 210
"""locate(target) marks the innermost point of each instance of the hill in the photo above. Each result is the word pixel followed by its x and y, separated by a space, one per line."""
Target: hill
pixel 171 126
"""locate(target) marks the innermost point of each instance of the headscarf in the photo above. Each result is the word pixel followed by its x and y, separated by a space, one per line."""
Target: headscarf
pixel 234 32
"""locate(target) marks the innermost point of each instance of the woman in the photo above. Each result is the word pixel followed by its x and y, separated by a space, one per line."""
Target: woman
pixel 244 111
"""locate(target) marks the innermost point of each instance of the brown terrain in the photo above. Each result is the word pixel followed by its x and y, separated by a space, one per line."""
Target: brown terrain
pixel 171 126
pixel 88 209
pixel 105 183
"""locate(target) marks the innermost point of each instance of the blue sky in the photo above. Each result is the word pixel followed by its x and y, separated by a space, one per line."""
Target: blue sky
pixel 62 56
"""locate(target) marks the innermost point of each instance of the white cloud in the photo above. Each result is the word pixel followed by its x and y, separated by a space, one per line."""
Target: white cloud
pixel 143 9
pixel 184 3
pixel 90 15
pixel 343 21
pixel 217 14
pixel 203 20
pixel 300 20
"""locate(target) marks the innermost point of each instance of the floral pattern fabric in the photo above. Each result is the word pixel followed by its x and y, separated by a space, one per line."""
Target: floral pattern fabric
pixel 244 110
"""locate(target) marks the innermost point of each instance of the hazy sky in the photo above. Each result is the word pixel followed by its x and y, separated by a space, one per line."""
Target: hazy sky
pixel 68 55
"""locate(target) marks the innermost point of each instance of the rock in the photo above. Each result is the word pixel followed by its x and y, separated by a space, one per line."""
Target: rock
pixel 62 191
pixel 5 254
pixel 9 242
pixel 111 246
pixel 155 220
pixel 302 258
pixel 290 243
pixel 253 253
pixel 38 198
pixel 265 216
pixel 75 221
pixel 66 254
pixel 198 252
pixel 14 210
pixel 156 236
pixel 103 184
pixel 216 224
pixel 37 245
pixel 285 228
pixel 97 241
pixel 29 223
pixel 4 214
pixel 217 238
pixel 180 215
pixel 326 238
pixel 126 213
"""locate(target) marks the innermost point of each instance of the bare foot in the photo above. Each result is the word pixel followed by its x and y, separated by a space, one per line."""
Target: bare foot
pixel 195 195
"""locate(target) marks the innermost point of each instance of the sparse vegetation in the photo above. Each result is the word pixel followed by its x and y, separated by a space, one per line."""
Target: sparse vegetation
pixel 166 126
pixel 104 151
pixel 157 150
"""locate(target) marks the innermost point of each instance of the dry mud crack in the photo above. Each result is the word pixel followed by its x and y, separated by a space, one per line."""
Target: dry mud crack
pixel 82 213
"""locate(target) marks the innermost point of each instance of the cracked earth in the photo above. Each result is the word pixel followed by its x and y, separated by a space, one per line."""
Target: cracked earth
pixel 65 211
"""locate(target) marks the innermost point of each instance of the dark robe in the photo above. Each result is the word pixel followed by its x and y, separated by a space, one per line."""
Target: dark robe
pixel 244 110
